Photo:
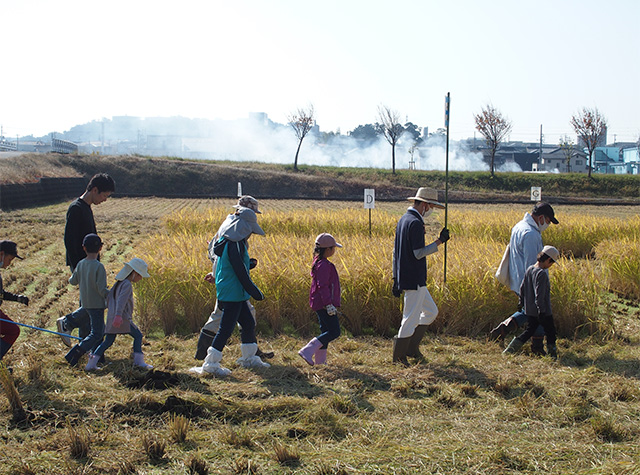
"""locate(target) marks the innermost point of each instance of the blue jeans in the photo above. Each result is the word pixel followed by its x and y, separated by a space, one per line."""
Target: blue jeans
pixel 79 319
pixel 522 320
pixel 96 317
pixel 235 313
pixel 329 326
pixel 111 337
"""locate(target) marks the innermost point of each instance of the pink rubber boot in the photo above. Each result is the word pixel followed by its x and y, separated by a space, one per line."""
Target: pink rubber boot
pixel 308 351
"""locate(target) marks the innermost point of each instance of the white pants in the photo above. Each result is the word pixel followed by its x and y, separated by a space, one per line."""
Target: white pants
pixel 213 324
pixel 419 309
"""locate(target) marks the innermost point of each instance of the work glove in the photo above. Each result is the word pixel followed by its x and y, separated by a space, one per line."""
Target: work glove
pixel 23 299
pixel 444 235
pixel 117 321
pixel 252 263
pixel 395 290
pixel 331 310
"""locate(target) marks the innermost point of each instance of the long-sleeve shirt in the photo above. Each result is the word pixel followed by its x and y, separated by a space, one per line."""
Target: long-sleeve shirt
pixel 535 292
pixel 524 246
pixel 120 302
pixel 4 295
pixel 79 223
pixel 91 276
pixel 325 285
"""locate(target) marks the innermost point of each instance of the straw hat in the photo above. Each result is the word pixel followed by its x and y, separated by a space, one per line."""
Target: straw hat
pixel 428 195
pixel 135 264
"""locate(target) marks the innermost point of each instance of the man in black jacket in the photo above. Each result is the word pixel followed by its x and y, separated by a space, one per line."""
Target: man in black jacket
pixel 410 274
pixel 79 223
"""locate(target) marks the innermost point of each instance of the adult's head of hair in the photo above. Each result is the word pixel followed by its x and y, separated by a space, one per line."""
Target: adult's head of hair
pixel 102 182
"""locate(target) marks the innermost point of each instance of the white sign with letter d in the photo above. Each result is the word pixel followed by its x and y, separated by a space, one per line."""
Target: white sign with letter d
pixel 369 198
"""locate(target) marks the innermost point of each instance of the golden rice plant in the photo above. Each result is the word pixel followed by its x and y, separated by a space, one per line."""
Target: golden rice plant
pixel 6 380
pixel 621 259
pixel 178 427
pixel 470 302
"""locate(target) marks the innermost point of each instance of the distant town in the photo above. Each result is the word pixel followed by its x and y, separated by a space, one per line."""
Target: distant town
pixel 214 140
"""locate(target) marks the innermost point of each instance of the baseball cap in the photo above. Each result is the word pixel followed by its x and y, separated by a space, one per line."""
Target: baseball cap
pixel 545 209
pixel 326 240
pixel 9 247
pixel 552 252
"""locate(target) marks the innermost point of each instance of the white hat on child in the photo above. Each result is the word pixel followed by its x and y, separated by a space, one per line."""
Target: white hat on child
pixel 135 264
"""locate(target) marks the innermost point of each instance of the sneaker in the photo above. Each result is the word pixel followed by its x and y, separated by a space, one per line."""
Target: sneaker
pixel 63 329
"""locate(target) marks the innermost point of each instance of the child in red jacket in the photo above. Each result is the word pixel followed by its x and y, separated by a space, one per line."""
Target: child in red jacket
pixel 324 298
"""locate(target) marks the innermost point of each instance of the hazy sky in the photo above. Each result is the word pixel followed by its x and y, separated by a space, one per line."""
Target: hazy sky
pixel 538 62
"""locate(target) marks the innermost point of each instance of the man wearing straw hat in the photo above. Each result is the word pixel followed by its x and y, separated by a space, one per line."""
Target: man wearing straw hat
pixel 410 274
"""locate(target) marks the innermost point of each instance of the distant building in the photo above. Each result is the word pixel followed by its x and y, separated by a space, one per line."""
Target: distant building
pixel 556 160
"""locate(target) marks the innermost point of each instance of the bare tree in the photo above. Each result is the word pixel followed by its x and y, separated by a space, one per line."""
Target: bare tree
pixel 494 128
pixel 568 149
pixel 391 129
pixel 301 122
pixel 591 127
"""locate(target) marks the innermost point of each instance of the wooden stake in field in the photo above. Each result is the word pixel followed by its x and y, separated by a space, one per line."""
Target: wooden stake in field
pixel 447 102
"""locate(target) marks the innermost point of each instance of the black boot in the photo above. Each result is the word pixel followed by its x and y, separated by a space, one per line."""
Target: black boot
pixel 265 354
pixel 414 342
pixel 400 348
pixel 74 355
pixel 204 342
pixel 537 345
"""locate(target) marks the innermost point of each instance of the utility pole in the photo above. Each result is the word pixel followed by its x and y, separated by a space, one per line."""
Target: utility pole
pixel 540 160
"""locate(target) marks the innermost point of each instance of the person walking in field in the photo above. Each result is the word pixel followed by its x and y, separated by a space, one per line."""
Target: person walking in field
pixel 120 314
pixel 91 276
pixel 234 288
pixel 524 246
pixel 9 331
pixel 324 299
pixel 410 274
pixel 535 301
pixel 79 223
pixel 211 327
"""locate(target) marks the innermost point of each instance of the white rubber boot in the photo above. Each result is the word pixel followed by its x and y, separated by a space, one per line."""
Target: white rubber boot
pixel 249 358
pixel 212 363
pixel 92 365
pixel 138 361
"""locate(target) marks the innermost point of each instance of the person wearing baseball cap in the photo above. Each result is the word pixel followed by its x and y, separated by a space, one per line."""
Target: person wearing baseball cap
pixel 535 301
pixel 9 331
pixel 410 274
pixel 524 246
pixel 324 299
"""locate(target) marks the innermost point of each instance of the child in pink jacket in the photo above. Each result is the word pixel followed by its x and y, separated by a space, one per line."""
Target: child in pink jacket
pixel 324 298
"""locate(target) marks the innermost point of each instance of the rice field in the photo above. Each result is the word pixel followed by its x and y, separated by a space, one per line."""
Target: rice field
pixel 470 301
pixel 465 409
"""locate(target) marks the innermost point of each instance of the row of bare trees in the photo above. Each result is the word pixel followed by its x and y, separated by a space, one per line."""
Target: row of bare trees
pixel 589 124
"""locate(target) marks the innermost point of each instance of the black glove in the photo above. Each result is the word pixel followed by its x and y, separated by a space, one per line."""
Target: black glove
pixel 252 263
pixel 23 299
pixel 395 290
pixel 444 235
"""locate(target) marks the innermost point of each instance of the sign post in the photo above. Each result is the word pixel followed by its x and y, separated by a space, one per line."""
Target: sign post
pixel 239 189
pixel 536 193
pixel 369 203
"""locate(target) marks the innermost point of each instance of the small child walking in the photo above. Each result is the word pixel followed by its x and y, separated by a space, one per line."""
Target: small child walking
pixel 91 276
pixel 535 301
pixel 9 331
pixel 324 298
pixel 120 313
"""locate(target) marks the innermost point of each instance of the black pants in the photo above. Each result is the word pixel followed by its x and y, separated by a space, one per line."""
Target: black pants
pixel 546 321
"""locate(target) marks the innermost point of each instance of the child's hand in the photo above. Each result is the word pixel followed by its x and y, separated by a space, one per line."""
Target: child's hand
pixel 117 321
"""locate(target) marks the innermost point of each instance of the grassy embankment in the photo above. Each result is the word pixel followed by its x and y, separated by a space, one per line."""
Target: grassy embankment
pixel 466 409
pixel 164 177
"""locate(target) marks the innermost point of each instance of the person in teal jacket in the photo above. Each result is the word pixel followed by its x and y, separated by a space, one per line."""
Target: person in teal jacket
pixel 234 288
